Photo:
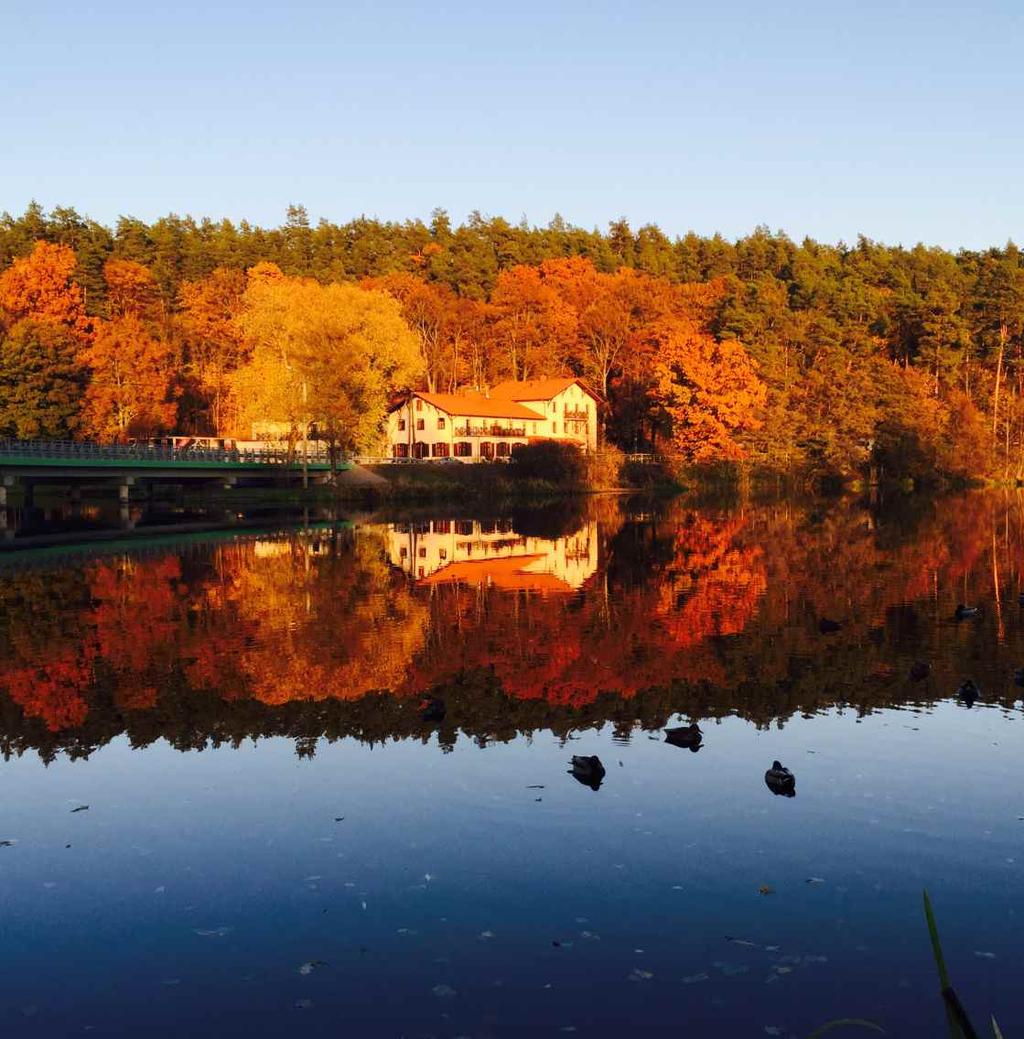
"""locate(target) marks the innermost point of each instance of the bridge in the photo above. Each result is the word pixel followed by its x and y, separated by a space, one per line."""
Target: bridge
pixel 24 464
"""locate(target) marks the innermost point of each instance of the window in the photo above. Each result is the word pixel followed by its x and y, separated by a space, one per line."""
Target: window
pixel 401 423
pixel 486 449
pixel 440 450
pixel 464 527
pixel 419 404
pixel 502 449
pixel 442 526
pixel 554 407
pixel 442 553
pixel 400 450
pixel 420 424
pixel 440 422
pixel 463 449
pixel 554 428
pixel 422 552
pixel 419 571
pixel 403 552
pixel 419 450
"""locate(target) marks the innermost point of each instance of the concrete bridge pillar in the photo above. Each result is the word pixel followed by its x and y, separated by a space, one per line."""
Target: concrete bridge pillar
pixel 6 482
pixel 124 489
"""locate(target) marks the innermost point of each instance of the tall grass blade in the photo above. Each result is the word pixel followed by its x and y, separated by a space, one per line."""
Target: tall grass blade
pixel 933 931
pixel 996 1030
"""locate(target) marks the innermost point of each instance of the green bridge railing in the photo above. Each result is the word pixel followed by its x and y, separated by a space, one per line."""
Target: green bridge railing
pixel 84 451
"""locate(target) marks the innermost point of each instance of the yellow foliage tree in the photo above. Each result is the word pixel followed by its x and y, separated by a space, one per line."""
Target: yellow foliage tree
pixel 322 355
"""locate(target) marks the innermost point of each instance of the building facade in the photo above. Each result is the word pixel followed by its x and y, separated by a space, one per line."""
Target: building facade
pixel 474 427
pixel 491 553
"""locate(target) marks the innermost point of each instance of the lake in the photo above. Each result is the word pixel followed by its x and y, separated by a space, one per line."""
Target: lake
pixel 223 811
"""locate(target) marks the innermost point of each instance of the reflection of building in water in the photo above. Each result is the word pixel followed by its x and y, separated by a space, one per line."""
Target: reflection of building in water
pixel 472 552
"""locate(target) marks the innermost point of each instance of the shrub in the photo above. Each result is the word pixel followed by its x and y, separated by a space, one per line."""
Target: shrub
pixel 552 460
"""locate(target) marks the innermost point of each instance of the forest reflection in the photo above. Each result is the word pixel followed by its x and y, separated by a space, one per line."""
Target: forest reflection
pixel 558 620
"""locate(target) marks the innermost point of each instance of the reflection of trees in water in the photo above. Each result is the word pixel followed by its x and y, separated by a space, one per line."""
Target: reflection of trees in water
pixel 702 611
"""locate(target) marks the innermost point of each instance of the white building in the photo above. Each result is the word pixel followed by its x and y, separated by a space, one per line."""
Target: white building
pixel 491 553
pixel 475 426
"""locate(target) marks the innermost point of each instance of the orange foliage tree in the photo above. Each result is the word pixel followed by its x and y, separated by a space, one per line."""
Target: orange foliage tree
pixel 210 308
pixel 39 286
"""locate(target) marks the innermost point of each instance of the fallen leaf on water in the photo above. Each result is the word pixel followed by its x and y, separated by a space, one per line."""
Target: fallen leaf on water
pixel 311 965
pixel 213 932
pixel 815 880
pixel 985 955
pixel 636 974
pixel 443 991
pixel 766 889
pixel 692 979
pixel 484 935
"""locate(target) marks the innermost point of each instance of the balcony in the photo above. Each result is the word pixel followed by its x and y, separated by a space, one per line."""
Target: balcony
pixel 576 415
pixel 490 431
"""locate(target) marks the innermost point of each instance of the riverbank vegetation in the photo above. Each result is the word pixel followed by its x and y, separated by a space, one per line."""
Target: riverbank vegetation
pixel 821 361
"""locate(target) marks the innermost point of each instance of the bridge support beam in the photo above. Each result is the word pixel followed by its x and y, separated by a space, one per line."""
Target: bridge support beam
pixel 124 489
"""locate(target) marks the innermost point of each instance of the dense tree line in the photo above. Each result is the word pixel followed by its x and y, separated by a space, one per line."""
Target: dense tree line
pixel 820 359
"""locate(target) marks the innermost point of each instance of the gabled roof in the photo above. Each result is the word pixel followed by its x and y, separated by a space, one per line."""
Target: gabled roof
pixel 535 389
pixel 476 405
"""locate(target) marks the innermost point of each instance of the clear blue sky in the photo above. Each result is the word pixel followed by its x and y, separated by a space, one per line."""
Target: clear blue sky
pixel 901 120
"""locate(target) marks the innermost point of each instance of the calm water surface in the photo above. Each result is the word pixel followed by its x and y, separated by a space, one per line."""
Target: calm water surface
pixel 276 842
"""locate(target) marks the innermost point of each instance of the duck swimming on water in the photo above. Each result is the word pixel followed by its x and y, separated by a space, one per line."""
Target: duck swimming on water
pixel 966 613
pixel 685 736
pixel 587 769
pixel 780 780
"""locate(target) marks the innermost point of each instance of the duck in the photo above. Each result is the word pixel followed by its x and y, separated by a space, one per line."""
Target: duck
pixel 780 780
pixel 827 626
pixel 587 769
pixel 685 736
pixel 920 670
pixel 432 709
pixel 966 613
pixel 968 692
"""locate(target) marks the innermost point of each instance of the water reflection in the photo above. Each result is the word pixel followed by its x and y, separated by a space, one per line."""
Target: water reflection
pixel 412 856
pixel 556 622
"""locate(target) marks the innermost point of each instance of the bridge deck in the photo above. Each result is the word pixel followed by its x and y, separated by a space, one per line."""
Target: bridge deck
pixel 42 455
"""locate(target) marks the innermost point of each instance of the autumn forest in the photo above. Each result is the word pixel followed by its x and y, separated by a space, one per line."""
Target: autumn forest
pixel 828 361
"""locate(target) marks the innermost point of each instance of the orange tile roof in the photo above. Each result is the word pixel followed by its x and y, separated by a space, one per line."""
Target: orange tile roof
pixel 477 405
pixel 533 389
pixel 509 573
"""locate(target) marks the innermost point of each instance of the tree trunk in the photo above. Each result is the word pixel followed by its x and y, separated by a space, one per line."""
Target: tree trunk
pixel 999 376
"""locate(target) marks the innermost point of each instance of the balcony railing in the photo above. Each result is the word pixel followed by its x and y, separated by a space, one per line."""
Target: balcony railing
pixel 576 415
pixel 490 431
